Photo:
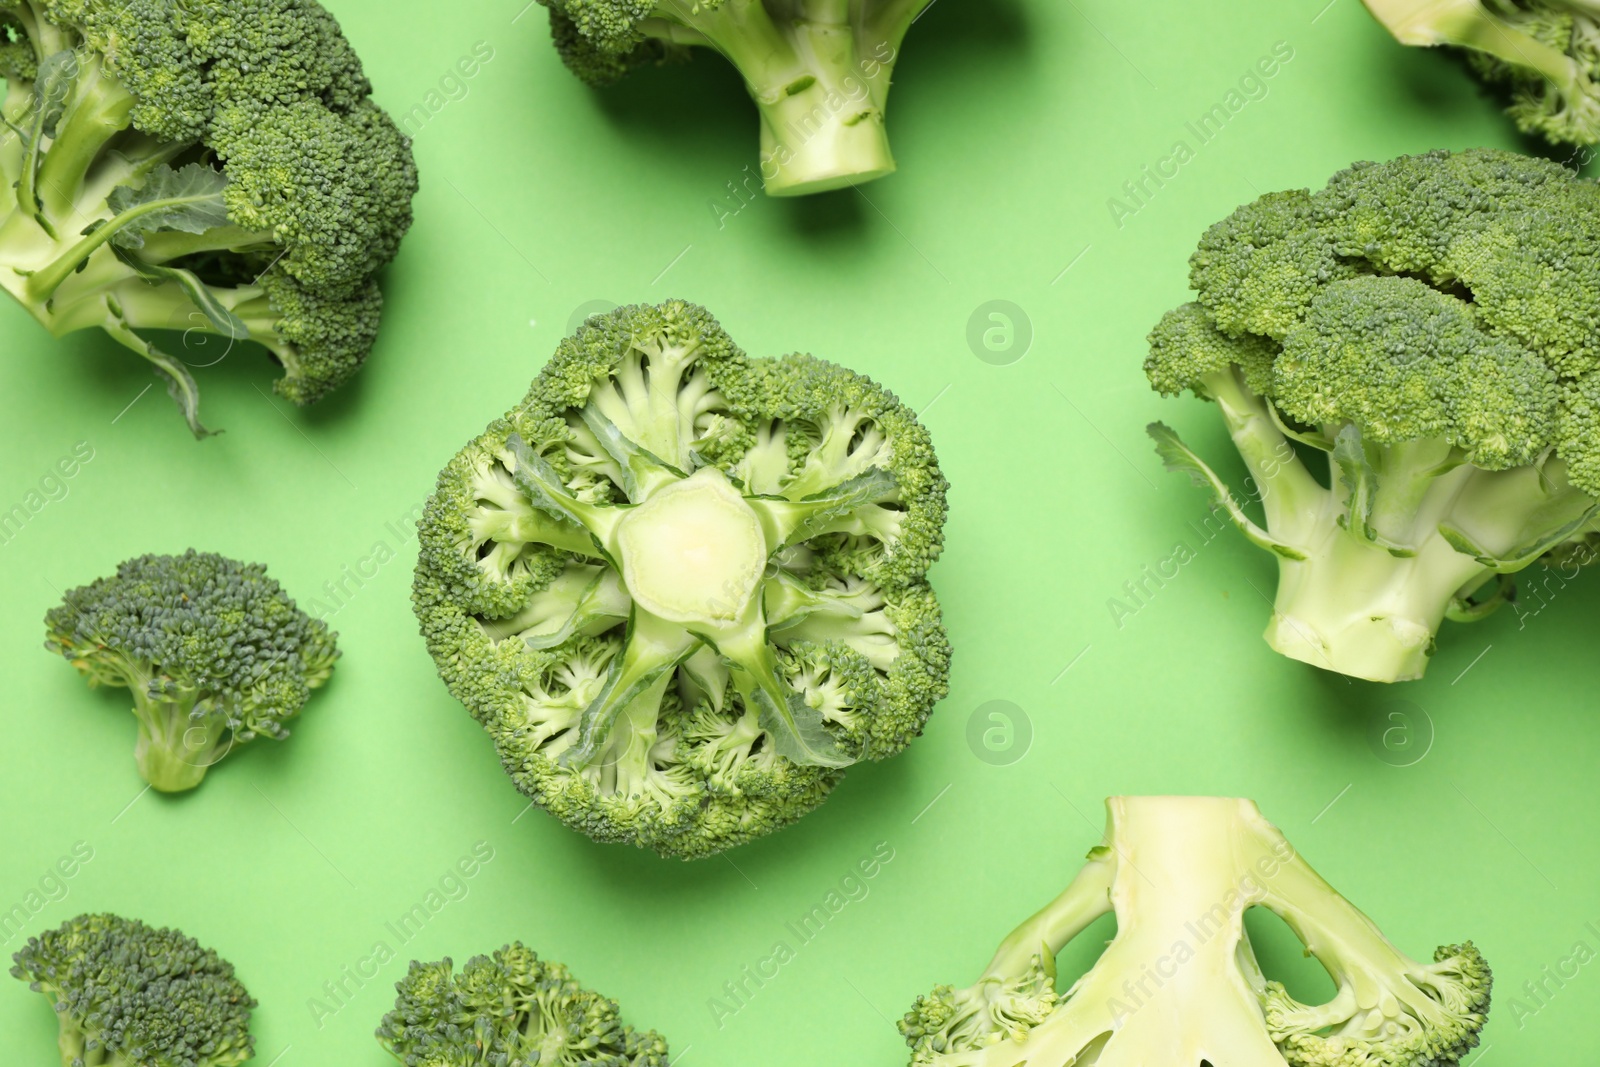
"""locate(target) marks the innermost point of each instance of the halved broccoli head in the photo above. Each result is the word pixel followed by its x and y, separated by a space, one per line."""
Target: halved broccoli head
pixel 127 994
pixel 683 588
pixel 201 165
pixel 1180 984
pixel 510 1009
pixel 214 652
pixel 1429 325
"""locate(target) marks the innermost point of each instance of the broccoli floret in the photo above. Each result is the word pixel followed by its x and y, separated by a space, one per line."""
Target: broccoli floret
pixel 511 1009
pixel 127 995
pixel 818 70
pixel 214 652
pixel 1424 324
pixel 1180 984
pixel 1545 55
pixel 683 588
pixel 198 166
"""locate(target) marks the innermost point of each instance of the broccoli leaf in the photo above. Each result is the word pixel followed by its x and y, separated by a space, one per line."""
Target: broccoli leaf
pixel 198 292
pixel 188 199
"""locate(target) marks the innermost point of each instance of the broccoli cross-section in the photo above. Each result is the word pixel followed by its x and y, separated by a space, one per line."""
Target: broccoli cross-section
pixel 1544 53
pixel 1422 328
pixel 128 995
pixel 213 168
pixel 818 70
pixel 214 652
pixel 510 1009
pixel 683 588
pixel 1179 985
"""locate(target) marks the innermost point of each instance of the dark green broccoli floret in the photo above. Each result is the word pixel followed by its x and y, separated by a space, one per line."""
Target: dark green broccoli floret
pixel 818 70
pixel 202 165
pixel 1544 53
pixel 214 652
pixel 511 1009
pixel 127 995
pixel 683 588
pixel 1427 324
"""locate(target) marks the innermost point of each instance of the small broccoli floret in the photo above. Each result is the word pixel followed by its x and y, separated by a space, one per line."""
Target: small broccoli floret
pixel 1544 53
pixel 818 70
pixel 1422 324
pixel 511 1009
pixel 683 588
pixel 214 652
pixel 127 995
pixel 1180 984
pixel 201 167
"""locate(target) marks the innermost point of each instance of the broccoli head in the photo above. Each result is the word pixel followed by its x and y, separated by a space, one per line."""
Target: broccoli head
pixel 1179 984
pixel 1545 54
pixel 127 995
pixel 818 70
pixel 683 588
pixel 511 1009
pixel 214 651
pixel 1426 325
pixel 202 167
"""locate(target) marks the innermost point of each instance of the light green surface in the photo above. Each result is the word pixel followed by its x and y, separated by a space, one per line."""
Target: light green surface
pixel 1014 121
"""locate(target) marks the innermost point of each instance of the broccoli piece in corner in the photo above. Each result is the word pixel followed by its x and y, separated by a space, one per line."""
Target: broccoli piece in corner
pixel 683 588
pixel 1422 328
pixel 127 995
pixel 214 651
pixel 1544 53
pixel 511 1009
pixel 198 166
pixel 818 70
pixel 1180 984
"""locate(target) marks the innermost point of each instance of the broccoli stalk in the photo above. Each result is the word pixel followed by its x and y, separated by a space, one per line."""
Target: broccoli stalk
pixel 169 167
pixel 683 588
pixel 1546 51
pixel 127 995
pixel 214 652
pixel 818 71
pixel 1180 984
pixel 1411 330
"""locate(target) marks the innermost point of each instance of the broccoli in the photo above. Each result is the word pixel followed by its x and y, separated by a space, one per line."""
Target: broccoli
pixel 818 70
pixel 1544 53
pixel 1425 325
pixel 198 166
pixel 126 995
pixel 511 1009
pixel 683 588
pixel 215 652
pixel 1180 985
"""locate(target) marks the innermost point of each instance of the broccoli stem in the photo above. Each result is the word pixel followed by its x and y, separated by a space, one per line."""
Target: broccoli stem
pixel 175 747
pixel 818 92
pixel 97 110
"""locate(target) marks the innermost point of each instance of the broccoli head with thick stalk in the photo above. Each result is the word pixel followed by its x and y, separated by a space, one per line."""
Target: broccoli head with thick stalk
pixel 1544 53
pixel 511 1009
pixel 127 995
pixel 214 652
pixel 1180 985
pixel 818 70
pixel 683 588
pixel 206 167
pixel 1425 326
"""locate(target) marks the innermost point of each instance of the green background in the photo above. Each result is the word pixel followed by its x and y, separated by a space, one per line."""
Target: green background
pixel 1014 121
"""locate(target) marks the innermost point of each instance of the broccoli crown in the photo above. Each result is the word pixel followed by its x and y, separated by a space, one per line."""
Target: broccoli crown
pixel 125 993
pixel 1444 296
pixel 510 1009
pixel 250 177
pixel 1180 984
pixel 215 652
pixel 683 588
